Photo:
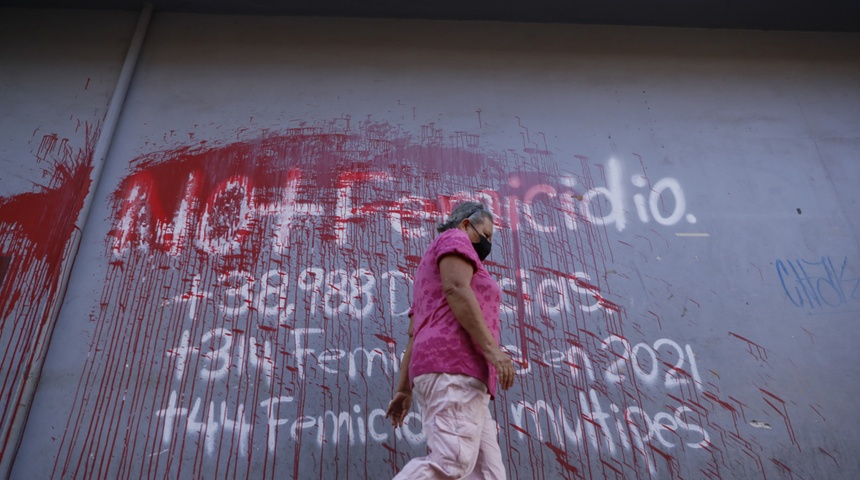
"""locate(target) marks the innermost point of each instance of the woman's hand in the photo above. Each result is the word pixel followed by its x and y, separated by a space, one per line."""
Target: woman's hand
pixel 399 408
pixel 504 367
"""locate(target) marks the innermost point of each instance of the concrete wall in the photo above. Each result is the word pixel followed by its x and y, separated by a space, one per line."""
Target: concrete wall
pixel 57 72
pixel 677 240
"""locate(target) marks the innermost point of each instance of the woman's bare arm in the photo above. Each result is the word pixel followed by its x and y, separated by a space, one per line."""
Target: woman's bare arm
pixel 457 275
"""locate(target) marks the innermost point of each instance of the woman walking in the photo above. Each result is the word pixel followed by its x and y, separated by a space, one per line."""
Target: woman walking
pixel 453 362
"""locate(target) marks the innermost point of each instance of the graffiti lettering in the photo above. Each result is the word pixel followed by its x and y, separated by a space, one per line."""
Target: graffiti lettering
pixel 675 376
pixel 207 422
pixel 212 423
pixel 590 421
pixel 221 352
pixel 356 294
pixel 581 367
pixel 223 355
pixel 218 223
pixel 350 293
pixel 612 427
pixel 818 283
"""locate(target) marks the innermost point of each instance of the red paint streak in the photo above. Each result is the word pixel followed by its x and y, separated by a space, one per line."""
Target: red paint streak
pixel 717 400
pixel 760 353
pixel 386 339
pixel 607 304
pixel 688 403
pixel 541 363
pixel 744 339
pixel 597 338
pixel 829 455
pixel 772 395
pixel 522 319
pixel 523 363
pixel 532 328
pixel 413 259
pixel 760 273
pixel 757 460
pixel 811 335
pixel 46 147
pixel 519 429
pixel 607 465
pixel 553 271
pixel 567 466
pixel 669 459
pixel 556 450
pixel 4 267
pixel 584 284
pixel 781 465
pixel 659 323
pixel 710 474
pixel 818 412
pixel 783 412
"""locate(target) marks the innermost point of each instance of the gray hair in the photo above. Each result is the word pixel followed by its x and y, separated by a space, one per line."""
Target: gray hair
pixel 476 212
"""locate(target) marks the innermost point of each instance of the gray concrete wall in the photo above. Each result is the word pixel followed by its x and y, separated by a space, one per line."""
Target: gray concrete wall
pixel 57 72
pixel 677 240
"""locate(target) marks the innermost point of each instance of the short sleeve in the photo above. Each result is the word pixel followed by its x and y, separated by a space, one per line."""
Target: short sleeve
pixel 456 242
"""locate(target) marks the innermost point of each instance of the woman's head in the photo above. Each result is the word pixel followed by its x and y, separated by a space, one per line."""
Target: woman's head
pixel 476 220
pixel 475 212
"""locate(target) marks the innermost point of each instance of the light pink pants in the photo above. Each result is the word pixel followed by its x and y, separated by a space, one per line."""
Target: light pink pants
pixel 461 435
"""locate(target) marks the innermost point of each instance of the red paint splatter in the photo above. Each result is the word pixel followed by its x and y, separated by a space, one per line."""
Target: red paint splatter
pixel 783 412
pixel 722 403
pixel 386 339
pixel 35 231
pixel 759 353
pixel 829 455
pixel 309 172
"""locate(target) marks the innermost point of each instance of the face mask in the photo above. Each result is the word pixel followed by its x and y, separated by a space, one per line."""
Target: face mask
pixel 483 247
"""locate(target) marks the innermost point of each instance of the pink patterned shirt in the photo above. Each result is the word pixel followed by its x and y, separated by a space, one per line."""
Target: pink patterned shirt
pixel 440 343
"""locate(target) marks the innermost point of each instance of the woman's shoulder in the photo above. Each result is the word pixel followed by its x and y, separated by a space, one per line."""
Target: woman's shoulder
pixel 453 234
pixel 454 241
pixel 450 239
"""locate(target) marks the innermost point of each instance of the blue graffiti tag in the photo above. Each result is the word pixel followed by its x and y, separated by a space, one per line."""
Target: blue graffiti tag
pixel 818 283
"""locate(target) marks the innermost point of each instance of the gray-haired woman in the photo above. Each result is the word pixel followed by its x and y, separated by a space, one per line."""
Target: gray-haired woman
pixel 453 360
